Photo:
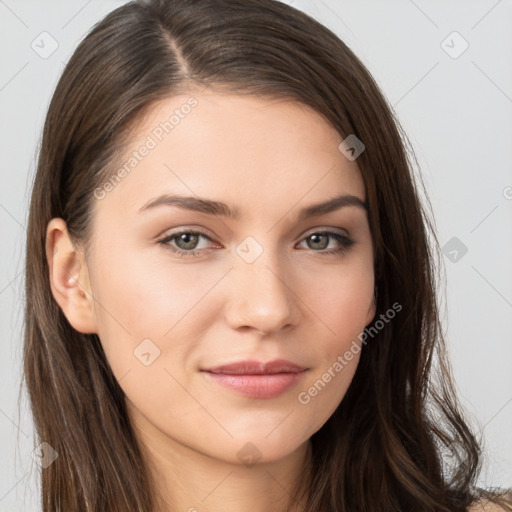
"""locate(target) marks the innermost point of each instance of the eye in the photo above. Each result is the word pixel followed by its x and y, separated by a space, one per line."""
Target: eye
pixel 185 243
pixel 320 240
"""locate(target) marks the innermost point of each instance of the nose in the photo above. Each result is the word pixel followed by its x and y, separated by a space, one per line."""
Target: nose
pixel 262 296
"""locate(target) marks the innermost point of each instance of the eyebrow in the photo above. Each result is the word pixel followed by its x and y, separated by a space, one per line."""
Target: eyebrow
pixel 211 207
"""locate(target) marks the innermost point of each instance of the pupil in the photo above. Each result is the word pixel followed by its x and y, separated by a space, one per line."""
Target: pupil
pixel 315 239
pixel 190 243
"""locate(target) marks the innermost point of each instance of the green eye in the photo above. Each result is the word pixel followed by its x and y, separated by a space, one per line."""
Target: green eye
pixel 184 243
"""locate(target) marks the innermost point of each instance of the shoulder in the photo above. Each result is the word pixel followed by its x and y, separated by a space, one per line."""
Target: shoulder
pixel 486 506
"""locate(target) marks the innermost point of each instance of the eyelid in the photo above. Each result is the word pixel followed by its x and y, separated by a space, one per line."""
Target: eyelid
pixel 344 239
pixel 323 229
pixel 180 231
pixel 206 233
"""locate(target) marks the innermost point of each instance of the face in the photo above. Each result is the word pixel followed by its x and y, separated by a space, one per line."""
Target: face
pixel 175 288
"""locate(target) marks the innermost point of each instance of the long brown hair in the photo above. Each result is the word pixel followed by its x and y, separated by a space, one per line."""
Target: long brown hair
pixel 387 445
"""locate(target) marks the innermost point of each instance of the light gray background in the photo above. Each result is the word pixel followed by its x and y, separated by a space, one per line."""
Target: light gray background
pixel 457 113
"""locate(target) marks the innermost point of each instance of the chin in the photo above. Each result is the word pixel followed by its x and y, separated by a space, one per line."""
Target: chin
pixel 255 449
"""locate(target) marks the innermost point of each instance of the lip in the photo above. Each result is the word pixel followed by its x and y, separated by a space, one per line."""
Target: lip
pixel 257 379
pixel 257 368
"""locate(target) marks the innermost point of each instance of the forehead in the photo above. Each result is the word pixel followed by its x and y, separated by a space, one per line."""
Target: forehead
pixel 243 150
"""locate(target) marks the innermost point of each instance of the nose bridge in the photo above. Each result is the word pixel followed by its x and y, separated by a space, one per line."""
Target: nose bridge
pixel 261 297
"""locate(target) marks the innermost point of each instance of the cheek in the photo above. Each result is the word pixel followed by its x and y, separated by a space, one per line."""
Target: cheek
pixel 342 301
pixel 343 307
pixel 140 298
pixel 137 295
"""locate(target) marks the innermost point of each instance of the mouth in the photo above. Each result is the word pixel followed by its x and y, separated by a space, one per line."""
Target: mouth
pixel 255 379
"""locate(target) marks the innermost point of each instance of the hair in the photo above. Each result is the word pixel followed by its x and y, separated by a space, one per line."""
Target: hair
pixel 392 437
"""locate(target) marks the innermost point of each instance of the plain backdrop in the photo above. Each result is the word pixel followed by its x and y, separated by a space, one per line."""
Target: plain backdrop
pixel 446 69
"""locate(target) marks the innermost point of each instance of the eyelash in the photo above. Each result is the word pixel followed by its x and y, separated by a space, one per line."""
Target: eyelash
pixel 345 241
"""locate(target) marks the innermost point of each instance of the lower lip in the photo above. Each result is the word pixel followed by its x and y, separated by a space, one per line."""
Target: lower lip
pixel 257 386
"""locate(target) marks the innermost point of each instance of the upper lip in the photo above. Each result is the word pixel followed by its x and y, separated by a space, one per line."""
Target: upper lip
pixel 257 368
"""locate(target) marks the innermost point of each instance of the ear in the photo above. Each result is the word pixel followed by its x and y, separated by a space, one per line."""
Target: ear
pixel 69 278
pixel 372 309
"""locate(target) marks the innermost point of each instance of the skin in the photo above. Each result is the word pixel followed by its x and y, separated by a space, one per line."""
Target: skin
pixel 270 159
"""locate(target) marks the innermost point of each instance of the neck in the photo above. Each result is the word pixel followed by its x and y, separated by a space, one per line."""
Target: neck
pixel 191 481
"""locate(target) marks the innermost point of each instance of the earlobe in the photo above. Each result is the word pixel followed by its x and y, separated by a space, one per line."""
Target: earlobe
pixel 69 278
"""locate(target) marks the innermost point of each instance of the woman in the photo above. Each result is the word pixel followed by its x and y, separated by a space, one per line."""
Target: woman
pixel 231 295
